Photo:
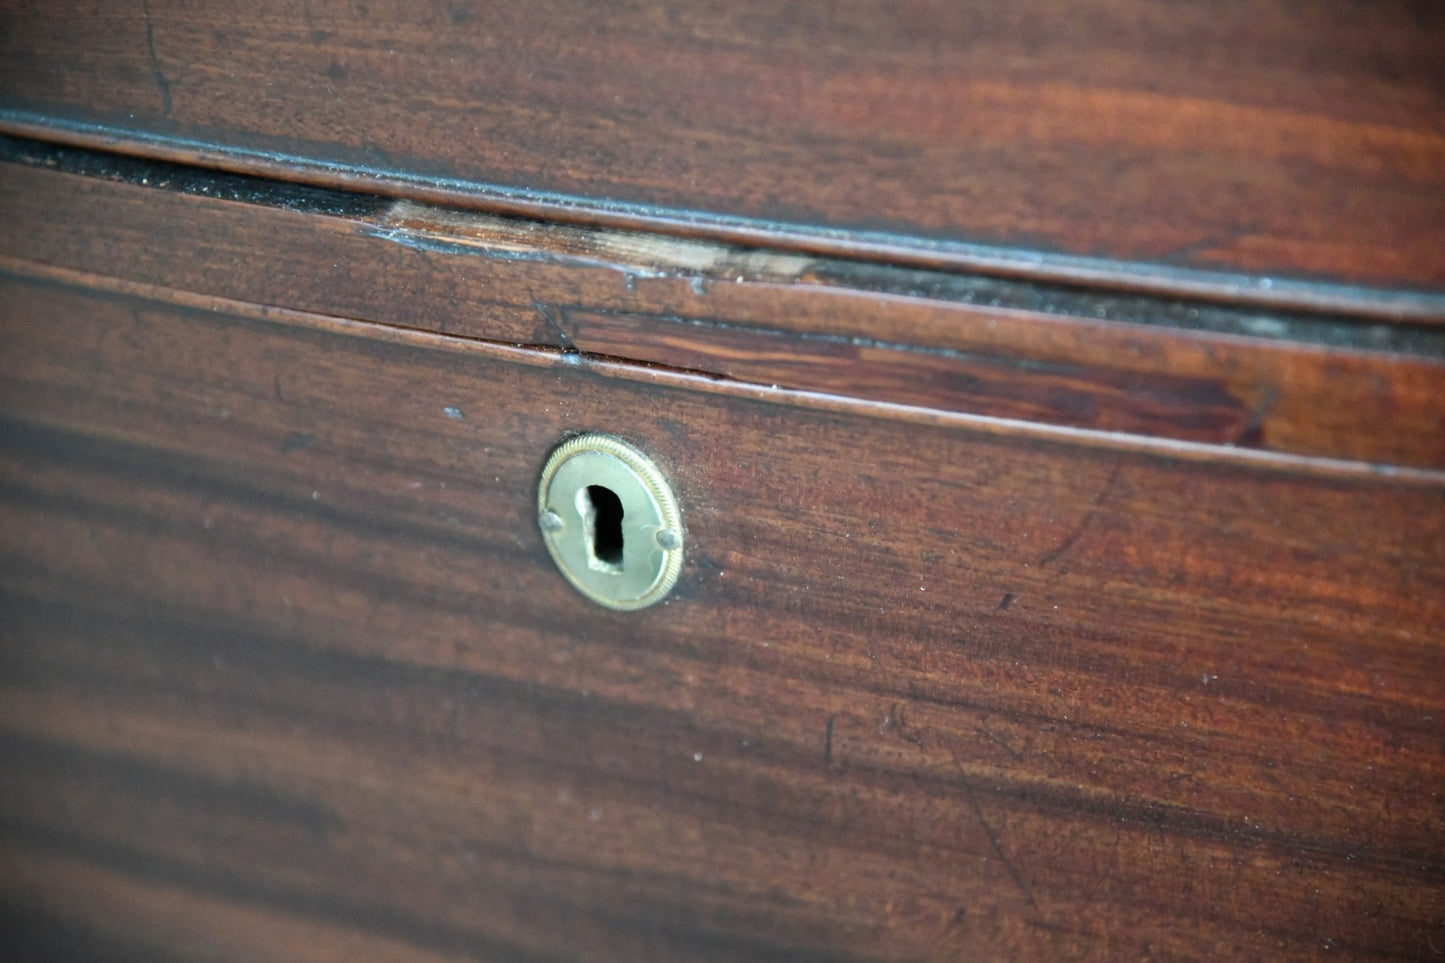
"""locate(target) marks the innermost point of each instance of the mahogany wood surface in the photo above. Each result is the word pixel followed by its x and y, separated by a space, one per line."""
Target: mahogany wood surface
pixel 1055 395
pixel 1272 138
pixel 287 672
pixel 1367 392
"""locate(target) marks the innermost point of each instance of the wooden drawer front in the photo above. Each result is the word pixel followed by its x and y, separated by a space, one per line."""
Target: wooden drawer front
pixel 286 667
pixel 1204 374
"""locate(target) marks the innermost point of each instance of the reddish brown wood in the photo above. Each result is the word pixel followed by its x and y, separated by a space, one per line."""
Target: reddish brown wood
pixel 1032 614
pixel 749 315
pixel 281 642
pixel 1270 138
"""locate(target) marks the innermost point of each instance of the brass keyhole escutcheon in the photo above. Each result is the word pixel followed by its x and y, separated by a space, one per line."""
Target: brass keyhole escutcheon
pixel 610 521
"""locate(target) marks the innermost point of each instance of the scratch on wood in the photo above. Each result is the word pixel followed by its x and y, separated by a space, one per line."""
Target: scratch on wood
pixel 567 346
pixel 1018 756
pixel 828 741
pixel 1252 433
pixel 996 845
pixel 896 720
pixel 1073 537
pixel 155 62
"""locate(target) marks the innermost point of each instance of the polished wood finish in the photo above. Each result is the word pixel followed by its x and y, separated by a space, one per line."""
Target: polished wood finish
pixel 281 636
pixel 1055 395
pixel 1271 138
pixel 1366 392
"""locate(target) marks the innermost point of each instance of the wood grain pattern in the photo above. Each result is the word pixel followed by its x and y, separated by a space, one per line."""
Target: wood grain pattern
pixel 1273 138
pixel 1055 395
pixel 1368 392
pixel 282 647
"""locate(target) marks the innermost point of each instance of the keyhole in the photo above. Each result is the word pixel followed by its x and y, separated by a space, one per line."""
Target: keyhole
pixel 610 521
pixel 601 512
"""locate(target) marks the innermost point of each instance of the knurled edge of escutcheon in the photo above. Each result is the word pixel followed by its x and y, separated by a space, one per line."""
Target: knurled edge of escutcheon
pixel 652 479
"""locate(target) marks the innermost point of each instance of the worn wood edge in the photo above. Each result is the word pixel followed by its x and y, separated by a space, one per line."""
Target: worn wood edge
pixel 707 265
pixel 639 255
pixel 1140 365
pixel 622 369
pixel 1293 294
